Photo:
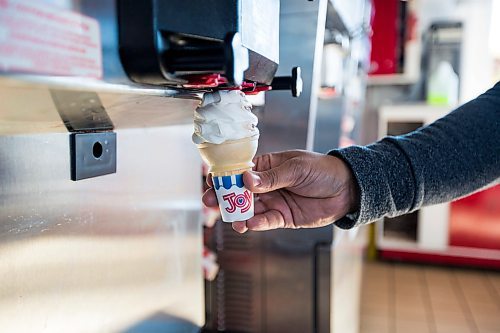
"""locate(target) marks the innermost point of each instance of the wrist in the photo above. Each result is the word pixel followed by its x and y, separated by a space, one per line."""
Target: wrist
pixel 351 188
pixel 345 185
pixel 354 192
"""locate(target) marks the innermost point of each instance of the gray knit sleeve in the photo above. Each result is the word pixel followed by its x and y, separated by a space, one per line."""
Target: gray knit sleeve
pixel 452 157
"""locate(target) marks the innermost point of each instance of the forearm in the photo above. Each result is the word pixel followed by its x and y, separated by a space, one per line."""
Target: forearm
pixel 450 158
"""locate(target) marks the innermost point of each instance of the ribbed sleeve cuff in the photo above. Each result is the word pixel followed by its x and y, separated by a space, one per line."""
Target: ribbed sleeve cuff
pixel 384 182
pixel 350 156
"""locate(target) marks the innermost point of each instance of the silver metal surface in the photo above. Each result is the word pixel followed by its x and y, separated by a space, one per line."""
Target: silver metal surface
pixel 328 124
pixel 260 27
pixel 270 281
pixel 287 122
pixel 27 108
pixel 118 253
pixel 347 264
pixel 339 119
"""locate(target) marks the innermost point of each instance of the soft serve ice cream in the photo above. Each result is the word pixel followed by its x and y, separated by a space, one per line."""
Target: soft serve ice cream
pixel 223 116
pixel 226 134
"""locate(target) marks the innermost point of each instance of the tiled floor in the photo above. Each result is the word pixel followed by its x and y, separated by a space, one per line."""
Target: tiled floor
pixel 401 298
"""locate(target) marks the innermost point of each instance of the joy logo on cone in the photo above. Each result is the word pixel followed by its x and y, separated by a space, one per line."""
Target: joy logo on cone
pixel 235 201
pixel 241 201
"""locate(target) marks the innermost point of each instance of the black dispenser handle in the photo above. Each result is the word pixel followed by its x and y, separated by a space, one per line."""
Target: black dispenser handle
pixel 293 83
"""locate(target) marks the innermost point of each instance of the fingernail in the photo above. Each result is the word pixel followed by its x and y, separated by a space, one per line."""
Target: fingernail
pixel 256 180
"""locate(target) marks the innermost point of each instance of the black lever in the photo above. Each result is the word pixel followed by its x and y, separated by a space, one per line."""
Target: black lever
pixel 293 83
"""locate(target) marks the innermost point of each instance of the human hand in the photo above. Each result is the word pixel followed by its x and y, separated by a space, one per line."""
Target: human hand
pixel 296 189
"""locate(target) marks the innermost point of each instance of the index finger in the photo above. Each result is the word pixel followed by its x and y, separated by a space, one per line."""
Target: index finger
pixel 268 220
pixel 209 180
pixel 272 160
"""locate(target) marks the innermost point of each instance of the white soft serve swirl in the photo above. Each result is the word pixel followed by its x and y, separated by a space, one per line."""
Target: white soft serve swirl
pixel 224 115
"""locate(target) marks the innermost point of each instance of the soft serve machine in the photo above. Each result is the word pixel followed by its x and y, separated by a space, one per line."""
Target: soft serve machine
pixel 100 219
pixel 100 185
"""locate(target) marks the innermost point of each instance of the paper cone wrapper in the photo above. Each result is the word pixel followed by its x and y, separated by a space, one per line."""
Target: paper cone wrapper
pixel 227 162
pixel 236 202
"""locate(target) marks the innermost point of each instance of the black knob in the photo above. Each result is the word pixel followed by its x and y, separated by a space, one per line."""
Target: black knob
pixel 293 82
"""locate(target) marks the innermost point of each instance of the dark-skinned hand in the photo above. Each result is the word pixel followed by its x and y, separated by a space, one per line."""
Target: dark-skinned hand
pixel 296 189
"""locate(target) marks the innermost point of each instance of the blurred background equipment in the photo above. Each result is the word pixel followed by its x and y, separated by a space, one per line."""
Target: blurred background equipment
pixel 400 102
pixel 442 57
pixel 435 294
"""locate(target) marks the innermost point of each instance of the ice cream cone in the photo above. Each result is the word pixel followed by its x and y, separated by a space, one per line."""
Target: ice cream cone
pixel 230 157
pixel 227 162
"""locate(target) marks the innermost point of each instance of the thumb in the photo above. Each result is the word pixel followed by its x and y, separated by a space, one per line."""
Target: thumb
pixel 284 175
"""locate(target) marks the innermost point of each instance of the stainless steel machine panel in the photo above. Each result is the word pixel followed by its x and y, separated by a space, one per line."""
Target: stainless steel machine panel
pixel 118 253
pixel 288 123
pixel 260 32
